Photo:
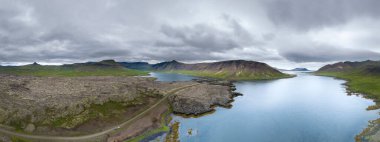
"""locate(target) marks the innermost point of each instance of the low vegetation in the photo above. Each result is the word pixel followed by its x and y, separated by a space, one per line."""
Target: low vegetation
pixel 368 84
pixel 173 136
pixel 17 139
pixel 108 111
pixel 232 76
pixel 95 111
pixel 62 71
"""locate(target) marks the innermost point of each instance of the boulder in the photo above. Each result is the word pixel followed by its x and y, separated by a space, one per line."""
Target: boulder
pixel 201 99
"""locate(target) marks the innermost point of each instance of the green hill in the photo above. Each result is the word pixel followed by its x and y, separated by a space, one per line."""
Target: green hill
pixel 102 68
pixel 230 70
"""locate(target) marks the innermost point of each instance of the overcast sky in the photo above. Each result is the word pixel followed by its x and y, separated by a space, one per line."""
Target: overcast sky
pixel 282 33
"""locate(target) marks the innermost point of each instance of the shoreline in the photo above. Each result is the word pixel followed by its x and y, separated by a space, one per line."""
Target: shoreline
pixel 373 127
pixel 285 76
pixel 171 123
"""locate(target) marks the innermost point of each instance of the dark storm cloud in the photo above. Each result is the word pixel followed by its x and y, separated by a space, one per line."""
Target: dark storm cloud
pixel 309 14
pixel 324 53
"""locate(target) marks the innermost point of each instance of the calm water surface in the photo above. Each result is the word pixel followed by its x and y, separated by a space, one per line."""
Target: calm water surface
pixel 170 76
pixel 306 108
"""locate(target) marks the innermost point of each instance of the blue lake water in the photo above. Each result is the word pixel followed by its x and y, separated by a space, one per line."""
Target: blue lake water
pixel 171 77
pixel 306 108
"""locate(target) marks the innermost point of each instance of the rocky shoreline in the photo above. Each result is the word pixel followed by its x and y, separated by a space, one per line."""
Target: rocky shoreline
pixel 203 98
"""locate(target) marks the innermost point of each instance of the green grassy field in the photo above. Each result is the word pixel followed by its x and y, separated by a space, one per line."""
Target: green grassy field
pixel 17 139
pixel 229 76
pixel 69 71
pixel 367 84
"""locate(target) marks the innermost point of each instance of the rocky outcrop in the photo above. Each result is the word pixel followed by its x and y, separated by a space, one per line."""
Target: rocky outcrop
pixel 46 100
pixel 202 98
pixel 36 104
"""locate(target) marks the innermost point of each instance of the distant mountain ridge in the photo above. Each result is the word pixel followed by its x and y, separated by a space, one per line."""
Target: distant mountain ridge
pixel 231 65
pixel 300 69
pixel 103 63
pixel 102 68
pixel 231 69
pixel 368 66
pixel 137 65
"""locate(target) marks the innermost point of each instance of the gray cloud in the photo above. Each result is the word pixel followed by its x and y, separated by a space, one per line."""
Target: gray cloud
pixel 200 36
pixel 24 37
pixel 264 30
pixel 325 53
pixel 309 14
pixel 201 41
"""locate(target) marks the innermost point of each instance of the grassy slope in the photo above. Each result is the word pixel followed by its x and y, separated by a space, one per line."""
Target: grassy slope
pixel 359 82
pixel 229 76
pixel 62 71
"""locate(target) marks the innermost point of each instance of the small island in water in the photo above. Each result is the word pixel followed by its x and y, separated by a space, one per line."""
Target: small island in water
pixel 300 69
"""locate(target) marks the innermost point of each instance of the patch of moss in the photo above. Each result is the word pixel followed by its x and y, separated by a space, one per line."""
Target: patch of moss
pixel 70 121
pixel 101 111
pixel 108 110
pixel 17 124
pixel 149 133
pixel 173 136
pixel 17 139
